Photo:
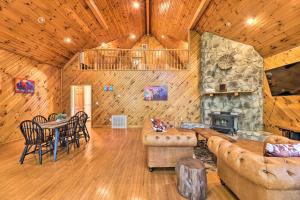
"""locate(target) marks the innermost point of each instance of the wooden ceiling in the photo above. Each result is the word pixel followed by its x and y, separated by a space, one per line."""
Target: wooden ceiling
pixel 21 33
pixel 277 25
pixel 91 22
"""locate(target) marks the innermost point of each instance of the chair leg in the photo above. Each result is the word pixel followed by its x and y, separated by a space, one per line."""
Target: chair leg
pixel 23 154
pixel 67 144
pixel 87 133
pixel 40 154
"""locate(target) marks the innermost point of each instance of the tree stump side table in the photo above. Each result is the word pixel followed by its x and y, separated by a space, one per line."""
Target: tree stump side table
pixel 191 179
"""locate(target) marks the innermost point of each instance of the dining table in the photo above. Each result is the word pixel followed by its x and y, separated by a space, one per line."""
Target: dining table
pixel 54 125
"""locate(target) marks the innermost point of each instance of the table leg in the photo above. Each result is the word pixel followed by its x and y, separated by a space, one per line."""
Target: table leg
pixel 56 143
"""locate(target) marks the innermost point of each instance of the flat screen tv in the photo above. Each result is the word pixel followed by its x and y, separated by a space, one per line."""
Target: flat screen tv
pixel 285 80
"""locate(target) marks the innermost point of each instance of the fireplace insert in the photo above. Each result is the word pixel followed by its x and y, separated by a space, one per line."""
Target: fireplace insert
pixel 223 122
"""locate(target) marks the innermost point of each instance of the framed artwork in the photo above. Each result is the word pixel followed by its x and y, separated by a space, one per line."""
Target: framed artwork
pixel 156 93
pixel 108 88
pixel 24 86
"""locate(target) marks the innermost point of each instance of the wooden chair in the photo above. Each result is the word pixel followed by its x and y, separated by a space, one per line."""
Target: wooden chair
pixel 34 137
pixel 39 119
pixel 69 134
pixel 52 117
pixel 82 129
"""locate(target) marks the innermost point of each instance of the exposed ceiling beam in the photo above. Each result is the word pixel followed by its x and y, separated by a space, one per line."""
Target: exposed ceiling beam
pixel 92 5
pixel 199 12
pixel 148 17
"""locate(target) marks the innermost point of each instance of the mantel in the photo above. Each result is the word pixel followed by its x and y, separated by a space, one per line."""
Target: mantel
pixel 233 93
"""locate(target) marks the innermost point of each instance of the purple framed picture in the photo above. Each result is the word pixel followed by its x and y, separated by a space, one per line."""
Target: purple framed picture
pixel 156 93
pixel 24 86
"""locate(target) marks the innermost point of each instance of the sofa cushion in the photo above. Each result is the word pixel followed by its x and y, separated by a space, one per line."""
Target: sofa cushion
pixel 282 150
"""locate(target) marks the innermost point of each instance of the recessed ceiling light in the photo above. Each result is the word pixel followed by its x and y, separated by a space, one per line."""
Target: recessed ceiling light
pixel 67 40
pixel 164 6
pixel 251 21
pixel 228 24
pixel 163 37
pixel 132 36
pixel 136 5
pixel 41 20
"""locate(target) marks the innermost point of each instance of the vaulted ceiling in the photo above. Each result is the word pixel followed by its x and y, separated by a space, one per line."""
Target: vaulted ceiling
pixel 88 23
pixel 276 27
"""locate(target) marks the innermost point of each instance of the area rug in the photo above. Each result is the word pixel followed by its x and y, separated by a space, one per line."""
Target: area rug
pixel 208 159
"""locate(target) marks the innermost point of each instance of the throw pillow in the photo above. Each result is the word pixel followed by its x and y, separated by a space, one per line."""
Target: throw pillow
pixel 282 150
pixel 158 125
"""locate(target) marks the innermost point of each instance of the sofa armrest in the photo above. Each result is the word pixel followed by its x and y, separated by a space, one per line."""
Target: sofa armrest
pixel 277 139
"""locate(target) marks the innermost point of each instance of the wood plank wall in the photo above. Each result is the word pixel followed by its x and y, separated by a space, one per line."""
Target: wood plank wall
pixel 281 109
pixel 15 108
pixel 127 97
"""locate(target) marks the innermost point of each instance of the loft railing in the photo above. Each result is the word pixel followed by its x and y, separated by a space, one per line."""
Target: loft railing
pixel 134 59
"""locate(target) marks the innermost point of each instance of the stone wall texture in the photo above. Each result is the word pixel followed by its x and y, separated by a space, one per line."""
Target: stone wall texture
pixel 238 66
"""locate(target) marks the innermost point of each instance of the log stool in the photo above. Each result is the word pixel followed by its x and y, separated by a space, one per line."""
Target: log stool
pixel 191 178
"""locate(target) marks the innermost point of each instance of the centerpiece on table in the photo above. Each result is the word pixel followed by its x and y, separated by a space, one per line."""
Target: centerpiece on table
pixel 61 117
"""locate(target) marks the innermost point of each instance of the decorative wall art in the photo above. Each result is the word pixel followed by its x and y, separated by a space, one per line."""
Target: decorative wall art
pixel 108 88
pixel 24 86
pixel 156 93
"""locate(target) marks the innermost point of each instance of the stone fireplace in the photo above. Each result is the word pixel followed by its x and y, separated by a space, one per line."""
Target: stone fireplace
pixel 240 68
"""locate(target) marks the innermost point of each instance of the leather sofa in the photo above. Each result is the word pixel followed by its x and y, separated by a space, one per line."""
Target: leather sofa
pixel 165 149
pixel 251 175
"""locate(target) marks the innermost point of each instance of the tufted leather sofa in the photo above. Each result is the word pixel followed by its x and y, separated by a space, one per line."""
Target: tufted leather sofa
pixel 165 149
pixel 252 176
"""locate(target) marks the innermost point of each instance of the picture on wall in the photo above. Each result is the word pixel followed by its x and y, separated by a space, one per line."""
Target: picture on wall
pixel 24 86
pixel 108 88
pixel 156 93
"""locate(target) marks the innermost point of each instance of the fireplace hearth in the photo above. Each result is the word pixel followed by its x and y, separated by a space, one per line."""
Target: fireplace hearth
pixel 224 122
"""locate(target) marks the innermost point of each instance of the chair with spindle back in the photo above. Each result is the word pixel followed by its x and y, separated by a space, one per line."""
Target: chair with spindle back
pixel 34 136
pixel 52 117
pixel 82 125
pixel 69 134
pixel 40 119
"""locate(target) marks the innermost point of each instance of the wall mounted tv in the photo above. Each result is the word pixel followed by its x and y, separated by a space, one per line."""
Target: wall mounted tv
pixel 285 80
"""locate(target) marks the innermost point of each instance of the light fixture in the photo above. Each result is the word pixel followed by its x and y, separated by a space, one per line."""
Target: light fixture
pixel 228 24
pixel 251 21
pixel 67 40
pixel 132 36
pixel 164 6
pixel 163 36
pixel 41 20
pixel 136 5
pixel 103 44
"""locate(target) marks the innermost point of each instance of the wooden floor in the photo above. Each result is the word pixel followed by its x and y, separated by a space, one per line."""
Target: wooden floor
pixel 111 166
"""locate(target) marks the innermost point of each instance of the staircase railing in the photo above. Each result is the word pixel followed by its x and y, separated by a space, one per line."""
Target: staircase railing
pixel 134 59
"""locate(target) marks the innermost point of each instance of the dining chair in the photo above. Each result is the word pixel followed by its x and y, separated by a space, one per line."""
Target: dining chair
pixel 34 137
pixel 40 119
pixel 69 134
pixel 52 117
pixel 82 129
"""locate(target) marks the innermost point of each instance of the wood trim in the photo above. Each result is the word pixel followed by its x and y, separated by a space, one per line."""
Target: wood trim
pixel 200 11
pixel 92 5
pixel 148 17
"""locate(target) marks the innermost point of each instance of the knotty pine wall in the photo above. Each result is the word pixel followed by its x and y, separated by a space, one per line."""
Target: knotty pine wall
pixel 15 108
pixel 281 109
pixel 127 97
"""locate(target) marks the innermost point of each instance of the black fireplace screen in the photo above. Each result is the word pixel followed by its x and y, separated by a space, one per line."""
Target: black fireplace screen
pixel 223 122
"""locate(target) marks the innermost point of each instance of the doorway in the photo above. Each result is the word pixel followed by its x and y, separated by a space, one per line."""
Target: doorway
pixel 81 99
